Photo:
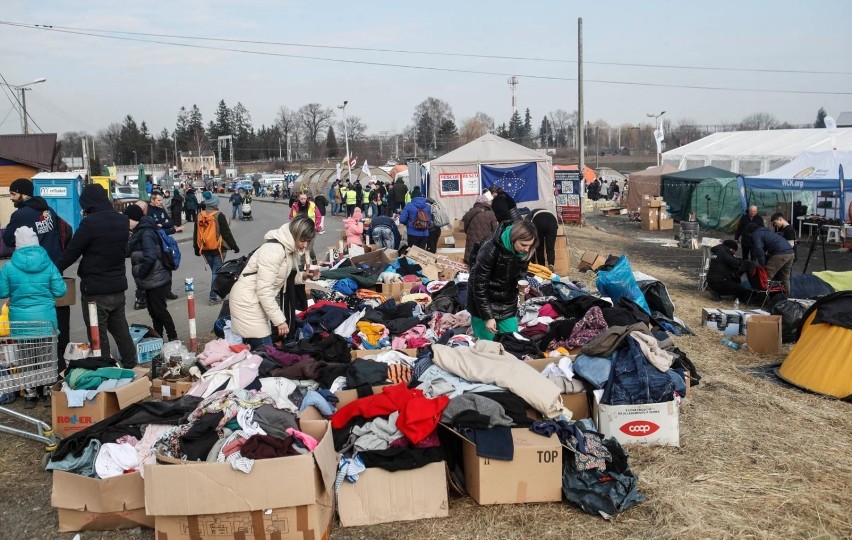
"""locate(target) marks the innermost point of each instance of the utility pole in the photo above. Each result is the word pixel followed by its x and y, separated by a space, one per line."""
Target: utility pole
pixel 24 109
pixel 396 149
pixel 581 168
pixel 279 148
pixel 288 148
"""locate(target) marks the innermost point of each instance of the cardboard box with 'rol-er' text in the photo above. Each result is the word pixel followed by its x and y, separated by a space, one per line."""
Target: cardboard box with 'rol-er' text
pixel 68 420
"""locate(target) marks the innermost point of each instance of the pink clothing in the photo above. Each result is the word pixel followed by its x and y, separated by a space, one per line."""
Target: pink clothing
pixel 402 341
pixel 236 372
pixel 215 352
pixel 548 311
pixel 354 229
pixel 309 442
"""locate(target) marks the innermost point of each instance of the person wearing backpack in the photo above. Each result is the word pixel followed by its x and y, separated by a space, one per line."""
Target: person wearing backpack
pixel 190 205
pixel 417 218
pixel 212 238
pixel 439 219
pixel 54 234
pixel 271 269
pixel 150 274
pixel 163 221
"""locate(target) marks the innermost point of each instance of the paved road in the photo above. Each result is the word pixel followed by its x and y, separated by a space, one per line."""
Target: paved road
pixel 248 234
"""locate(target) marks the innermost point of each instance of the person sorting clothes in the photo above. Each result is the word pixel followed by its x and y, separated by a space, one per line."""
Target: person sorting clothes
pixel 723 276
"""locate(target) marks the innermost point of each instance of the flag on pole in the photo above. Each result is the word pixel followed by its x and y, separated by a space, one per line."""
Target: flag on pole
pixel 353 161
pixel 338 171
pixel 366 170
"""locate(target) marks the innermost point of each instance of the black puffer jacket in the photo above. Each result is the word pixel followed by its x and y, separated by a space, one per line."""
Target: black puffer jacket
pixel 101 240
pixel 146 256
pixel 724 266
pixel 502 205
pixel 493 282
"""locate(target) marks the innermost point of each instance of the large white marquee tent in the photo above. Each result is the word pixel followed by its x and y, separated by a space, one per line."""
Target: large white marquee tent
pixel 751 153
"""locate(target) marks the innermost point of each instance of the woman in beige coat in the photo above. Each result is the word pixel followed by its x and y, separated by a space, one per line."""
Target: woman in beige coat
pixel 253 300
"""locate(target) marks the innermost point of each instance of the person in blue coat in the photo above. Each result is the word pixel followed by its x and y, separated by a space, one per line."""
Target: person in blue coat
pixel 32 283
pixel 418 233
pixel 384 232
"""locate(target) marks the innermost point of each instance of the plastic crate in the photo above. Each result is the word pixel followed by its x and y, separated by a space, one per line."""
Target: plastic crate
pixel 137 332
pixel 148 349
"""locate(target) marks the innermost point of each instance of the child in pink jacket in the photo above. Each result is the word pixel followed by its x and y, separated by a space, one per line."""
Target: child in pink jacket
pixel 354 228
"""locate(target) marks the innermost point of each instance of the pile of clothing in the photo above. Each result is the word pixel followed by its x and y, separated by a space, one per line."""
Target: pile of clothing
pixel 88 377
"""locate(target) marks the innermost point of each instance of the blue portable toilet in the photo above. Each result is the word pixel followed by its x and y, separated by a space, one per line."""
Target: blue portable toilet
pixel 62 191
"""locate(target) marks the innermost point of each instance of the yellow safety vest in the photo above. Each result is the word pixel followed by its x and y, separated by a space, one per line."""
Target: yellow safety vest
pixel 351 197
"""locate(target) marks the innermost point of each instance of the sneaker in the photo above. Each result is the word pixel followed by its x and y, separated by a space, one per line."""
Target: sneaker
pixel 45 398
pixel 30 403
pixel 214 301
pixel 322 232
pixel 171 296
pixel 140 305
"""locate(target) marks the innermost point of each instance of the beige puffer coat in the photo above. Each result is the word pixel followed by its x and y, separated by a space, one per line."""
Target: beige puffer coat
pixel 253 298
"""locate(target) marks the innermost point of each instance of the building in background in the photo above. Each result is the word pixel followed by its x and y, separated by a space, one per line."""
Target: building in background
pixel 192 162
pixel 24 156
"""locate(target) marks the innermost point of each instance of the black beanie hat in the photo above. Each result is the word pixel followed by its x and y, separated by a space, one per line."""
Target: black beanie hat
pixel 731 244
pixel 22 186
pixel 134 212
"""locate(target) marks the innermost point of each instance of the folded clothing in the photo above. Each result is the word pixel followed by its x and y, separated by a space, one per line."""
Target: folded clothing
pixel 267 446
pixel 84 379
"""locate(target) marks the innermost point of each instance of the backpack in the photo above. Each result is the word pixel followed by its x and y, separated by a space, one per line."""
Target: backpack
pixel 65 233
pixel 208 237
pixel 421 221
pixel 439 216
pixel 170 251
pixel 232 270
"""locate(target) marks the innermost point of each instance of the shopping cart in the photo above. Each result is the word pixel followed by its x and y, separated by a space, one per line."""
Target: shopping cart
pixel 28 360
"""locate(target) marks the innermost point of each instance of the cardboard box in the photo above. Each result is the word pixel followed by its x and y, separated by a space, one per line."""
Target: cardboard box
pixel 287 498
pixel 291 523
pixel 666 224
pixel 534 475
pixel 421 256
pixel 729 322
pixel 92 504
pixel 562 263
pixel 460 240
pixel 653 202
pixel 70 296
pixel 591 261
pixel 764 334
pixel 380 496
pixel 396 290
pixel 167 390
pixel 577 403
pixel 654 424
pixel 68 420
pixel 377 261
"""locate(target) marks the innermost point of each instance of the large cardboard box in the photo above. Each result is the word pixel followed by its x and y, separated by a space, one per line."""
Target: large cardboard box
pixel 92 504
pixel 666 224
pixel 764 334
pixel 654 424
pixel 590 261
pixel 282 498
pixel 380 496
pixel 396 290
pixel 167 390
pixel 421 256
pixel 534 475
pixel 377 261
pixel 70 296
pixel 562 264
pixel 68 420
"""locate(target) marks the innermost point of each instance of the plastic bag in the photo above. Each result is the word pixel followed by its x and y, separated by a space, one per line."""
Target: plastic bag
pixel 177 348
pixel 791 311
pixel 4 319
pixel 76 351
pixel 230 336
pixel 619 282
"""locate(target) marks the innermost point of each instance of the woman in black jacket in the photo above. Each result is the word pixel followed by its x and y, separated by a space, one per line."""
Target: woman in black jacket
pixel 723 275
pixel 502 261
pixel 148 270
pixel 503 205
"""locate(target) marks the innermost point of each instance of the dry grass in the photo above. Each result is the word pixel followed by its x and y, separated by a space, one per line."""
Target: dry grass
pixel 757 460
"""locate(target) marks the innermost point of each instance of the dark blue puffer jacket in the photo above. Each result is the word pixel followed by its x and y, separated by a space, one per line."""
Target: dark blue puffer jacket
pixel 146 256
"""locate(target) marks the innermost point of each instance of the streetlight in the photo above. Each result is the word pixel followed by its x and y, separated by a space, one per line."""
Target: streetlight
pixel 135 159
pixel 658 133
pixel 23 88
pixel 346 138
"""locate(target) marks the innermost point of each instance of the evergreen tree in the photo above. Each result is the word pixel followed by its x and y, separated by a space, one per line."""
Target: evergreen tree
pixel 182 130
pixel 545 132
pixel 130 142
pixel 527 129
pixel 223 121
pixel 820 119
pixel 331 147
pixel 447 135
pixel 516 127
pixel 503 131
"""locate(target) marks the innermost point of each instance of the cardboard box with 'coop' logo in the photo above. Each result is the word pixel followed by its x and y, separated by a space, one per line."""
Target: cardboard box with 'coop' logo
pixel 655 424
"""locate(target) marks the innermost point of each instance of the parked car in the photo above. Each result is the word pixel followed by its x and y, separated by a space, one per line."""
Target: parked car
pixel 125 192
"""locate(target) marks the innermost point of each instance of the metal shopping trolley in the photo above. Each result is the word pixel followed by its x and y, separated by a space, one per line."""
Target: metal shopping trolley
pixel 27 360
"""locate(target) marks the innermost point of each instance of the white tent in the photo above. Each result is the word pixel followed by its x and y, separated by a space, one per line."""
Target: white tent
pixel 755 152
pixel 462 169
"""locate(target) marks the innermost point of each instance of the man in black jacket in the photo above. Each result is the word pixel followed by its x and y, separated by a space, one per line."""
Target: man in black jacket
pixel 723 276
pixel 749 217
pixel 773 253
pixel 53 235
pixel 101 241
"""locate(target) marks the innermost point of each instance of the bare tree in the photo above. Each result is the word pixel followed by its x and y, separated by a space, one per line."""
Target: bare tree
pixel 685 131
pixel 314 119
pixel 759 121
pixel 355 128
pixel 563 124
pixel 429 116
pixel 200 142
pixel 110 137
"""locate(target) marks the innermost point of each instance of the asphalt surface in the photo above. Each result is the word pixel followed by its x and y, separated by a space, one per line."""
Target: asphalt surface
pixel 248 234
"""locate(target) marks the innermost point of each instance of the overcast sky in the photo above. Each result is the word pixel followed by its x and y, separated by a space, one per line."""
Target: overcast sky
pixel 92 81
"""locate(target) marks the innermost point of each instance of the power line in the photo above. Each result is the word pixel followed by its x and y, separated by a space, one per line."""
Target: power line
pixel 7 116
pixel 432 53
pixel 430 68
pixel 20 105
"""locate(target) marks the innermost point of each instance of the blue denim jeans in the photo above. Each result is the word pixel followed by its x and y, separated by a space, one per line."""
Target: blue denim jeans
pixel 383 237
pixel 214 261
pixel 634 381
pixel 258 343
pixel 594 369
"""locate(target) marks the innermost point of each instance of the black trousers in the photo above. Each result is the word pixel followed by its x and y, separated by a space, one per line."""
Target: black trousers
pixel 350 208
pixel 190 214
pixel 112 319
pixel 547 228
pixel 419 241
pixel 159 311
pixel 63 317
pixel 432 242
pixel 729 288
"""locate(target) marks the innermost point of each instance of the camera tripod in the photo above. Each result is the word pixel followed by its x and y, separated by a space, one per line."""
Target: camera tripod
pixel 821 233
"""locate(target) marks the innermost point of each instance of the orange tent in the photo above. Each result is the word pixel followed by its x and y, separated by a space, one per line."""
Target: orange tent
pixel 396 170
pixel 588 174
